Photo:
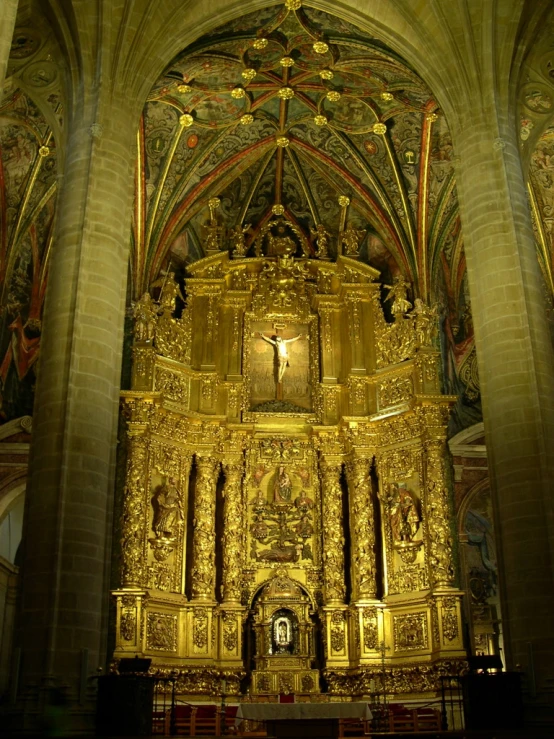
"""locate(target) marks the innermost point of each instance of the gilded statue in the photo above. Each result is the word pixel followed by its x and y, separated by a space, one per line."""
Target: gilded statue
pixel 145 318
pixel 238 240
pixel 168 510
pixel 398 295
pixel 280 244
pixel 282 488
pixel 404 516
pixel 281 352
pixel 322 237
pixel 169 294
pixel 350 239
pixel 425 322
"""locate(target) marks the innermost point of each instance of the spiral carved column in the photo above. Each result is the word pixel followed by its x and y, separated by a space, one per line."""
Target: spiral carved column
pixel 441 566
pixel 333 535
pixel 203 538
pixel 232 532
pixel 362 528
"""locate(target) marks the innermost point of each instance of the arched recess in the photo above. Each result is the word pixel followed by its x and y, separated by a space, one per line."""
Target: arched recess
pixel 479 570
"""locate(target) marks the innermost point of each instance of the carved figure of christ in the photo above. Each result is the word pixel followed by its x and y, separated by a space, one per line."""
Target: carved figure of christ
pixel 281 351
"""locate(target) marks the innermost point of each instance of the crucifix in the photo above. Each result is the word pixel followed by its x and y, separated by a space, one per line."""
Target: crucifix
pixel 281 354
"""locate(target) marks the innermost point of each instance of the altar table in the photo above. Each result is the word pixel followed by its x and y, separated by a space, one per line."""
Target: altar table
pixel 302 719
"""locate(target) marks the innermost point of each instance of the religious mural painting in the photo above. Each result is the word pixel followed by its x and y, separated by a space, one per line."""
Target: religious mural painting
pixel 28 172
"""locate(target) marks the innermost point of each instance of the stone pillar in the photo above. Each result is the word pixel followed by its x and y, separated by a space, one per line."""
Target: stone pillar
pixel 203 537
pixel 362 529
pixel 8 13
pixel 63 610
pixel 516 371
pixel 233 549
pixel 333 534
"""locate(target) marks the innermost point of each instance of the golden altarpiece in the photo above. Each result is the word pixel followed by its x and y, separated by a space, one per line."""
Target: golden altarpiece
pixel 286 522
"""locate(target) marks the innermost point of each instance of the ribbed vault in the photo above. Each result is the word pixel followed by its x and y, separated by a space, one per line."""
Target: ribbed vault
pixel 291 106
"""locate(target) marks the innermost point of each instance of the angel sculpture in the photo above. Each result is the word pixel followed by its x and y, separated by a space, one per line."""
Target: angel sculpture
pixel 398 295
pixel 145 318
pixel 238 241
pixel 322 237
pixel 425 321
pixel 351 239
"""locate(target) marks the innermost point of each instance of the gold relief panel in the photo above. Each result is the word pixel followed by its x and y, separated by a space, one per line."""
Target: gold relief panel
pixel 161 632
pixel 394 390
pixel 400 428
pixel 282 514
pixel 338 632
pixel 410 632
pixel 450 617
pixel 230 631
pixel 200 631
pixel 370 629
pixel 357 388
pixel 143 367
pixel 174 385
pixel 407 578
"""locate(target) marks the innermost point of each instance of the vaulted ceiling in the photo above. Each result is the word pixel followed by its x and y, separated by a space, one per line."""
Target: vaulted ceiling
pixel 295 107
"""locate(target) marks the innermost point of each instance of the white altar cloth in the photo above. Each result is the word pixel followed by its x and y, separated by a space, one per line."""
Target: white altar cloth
pixel 300 711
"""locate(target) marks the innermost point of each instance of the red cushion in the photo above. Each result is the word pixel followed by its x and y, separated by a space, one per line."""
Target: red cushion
pixel 182 711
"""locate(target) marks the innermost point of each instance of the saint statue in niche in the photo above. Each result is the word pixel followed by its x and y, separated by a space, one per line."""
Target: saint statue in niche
pixel 282 487
pixel 282 635
pixel 404 515
pixel 398 295
pixel 281 352
pixel 168 510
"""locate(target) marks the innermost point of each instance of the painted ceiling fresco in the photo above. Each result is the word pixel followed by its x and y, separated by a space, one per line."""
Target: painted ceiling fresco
pixel 291 106
pixel 28 170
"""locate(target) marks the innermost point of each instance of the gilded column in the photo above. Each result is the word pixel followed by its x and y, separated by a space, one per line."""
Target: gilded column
pixel 333 536
pixel 133 521
pixel 232 532
pixel 203 538
pixel 362 529
pixel 437 507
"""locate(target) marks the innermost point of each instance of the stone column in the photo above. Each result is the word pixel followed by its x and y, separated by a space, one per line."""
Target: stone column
pixel 8 13
pixel 362 529
pixel 63 610
pixel 203 537
pixel 516 371
pixel 333 534
pixel 233 550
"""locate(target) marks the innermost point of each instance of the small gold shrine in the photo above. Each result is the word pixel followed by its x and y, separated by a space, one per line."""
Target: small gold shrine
pixel 286 522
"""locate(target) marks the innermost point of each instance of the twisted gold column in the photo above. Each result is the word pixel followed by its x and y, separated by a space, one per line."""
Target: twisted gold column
pixel 203 538
pixel 232 532
pixel 441 567
pixel 362 529
pixel 333 535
